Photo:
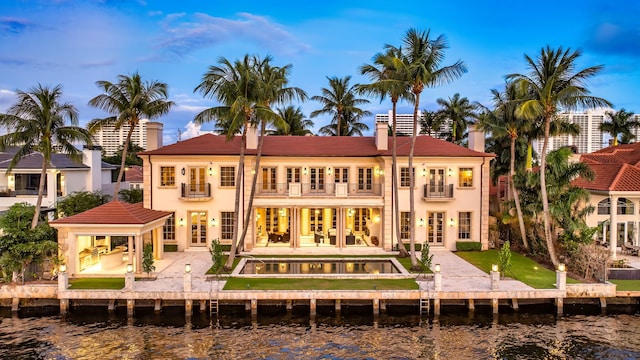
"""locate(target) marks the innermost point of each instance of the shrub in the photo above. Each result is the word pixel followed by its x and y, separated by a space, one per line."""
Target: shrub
pixel 170 247
pixel 425 257
pixel 468 246
pixel 147 259
pixel 504 258
pixel 216 256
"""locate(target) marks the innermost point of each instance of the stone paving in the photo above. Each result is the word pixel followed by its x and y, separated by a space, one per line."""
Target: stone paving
pixel 457 274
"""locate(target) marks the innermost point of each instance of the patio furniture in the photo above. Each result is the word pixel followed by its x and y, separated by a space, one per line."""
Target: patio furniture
pixel 332 236
pixel 629 249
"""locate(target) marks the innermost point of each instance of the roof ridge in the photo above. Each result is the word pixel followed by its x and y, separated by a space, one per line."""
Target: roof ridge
pixel 618 176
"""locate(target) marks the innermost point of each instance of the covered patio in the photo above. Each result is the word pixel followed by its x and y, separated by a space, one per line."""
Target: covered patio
pixel 104 240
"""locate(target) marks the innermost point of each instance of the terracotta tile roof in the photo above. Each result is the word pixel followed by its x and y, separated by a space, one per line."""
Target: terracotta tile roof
pixel 133 174
pixel 624 153
pixel 616 168
pixel 114 213
pixel 315 146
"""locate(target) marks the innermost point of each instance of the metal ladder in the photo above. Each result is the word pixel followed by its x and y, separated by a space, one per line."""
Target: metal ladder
pixel 424 306
pixel 213 307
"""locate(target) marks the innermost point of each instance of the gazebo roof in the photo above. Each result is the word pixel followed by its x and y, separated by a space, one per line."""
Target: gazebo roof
pixel 114 213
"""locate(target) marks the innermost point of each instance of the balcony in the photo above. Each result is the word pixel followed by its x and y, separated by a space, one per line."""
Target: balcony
pixel 195 191
pixel 317 189
pixel 438 192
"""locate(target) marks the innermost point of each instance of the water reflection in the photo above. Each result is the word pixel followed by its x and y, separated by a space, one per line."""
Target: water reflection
pixel 90 334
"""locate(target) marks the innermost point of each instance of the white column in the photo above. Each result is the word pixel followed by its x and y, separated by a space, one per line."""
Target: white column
pixel 613 229
pixel 138 252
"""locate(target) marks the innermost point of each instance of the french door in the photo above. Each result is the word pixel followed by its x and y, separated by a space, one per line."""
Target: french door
pixel 435 228
pixel 198 221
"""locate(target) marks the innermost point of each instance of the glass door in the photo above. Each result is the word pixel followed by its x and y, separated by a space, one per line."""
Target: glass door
pixel 435 228
pixel 197 180
pixel 198 228
pixel 436 181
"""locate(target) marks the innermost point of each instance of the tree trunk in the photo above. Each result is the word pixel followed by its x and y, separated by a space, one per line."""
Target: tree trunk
pixel 528 166
pixel 412 180
pixel 543 193
pixel 247 219
pixel 240 175
pixel 338 124
pixel 125 150
pixel 43 179
pixel 516 197
pixel 394 183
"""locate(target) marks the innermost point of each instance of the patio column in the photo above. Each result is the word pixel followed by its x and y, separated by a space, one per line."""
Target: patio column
pixel 138 252
pixel 130 249
pixel 613 227
pixel 156 235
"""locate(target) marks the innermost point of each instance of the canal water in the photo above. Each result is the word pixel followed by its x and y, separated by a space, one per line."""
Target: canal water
pixel 96 334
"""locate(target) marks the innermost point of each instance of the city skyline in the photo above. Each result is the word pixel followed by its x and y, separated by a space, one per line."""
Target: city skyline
pixel 78 43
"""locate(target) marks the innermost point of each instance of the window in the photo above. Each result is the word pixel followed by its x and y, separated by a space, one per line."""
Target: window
pixel 27 184
pixel 226 225
pixel 464 225
pixel 293 176
pixel 227 176
pixel 269 179
pixel 405 180
pixel 272 220
pixel 167 176
pixel 317 179
pixel 604 207
pixel 341 175
pixel 316 219
pixel 169 228
pixel 360 219
pixel 465 177
pixel 405 225
pixel 365 179
pixel 625 206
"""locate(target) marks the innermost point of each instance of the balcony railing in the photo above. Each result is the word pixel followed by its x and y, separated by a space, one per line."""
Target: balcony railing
pixel 319 189
pixel 441 192
pixel 196 191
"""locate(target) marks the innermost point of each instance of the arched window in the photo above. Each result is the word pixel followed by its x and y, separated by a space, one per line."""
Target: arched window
pixel 625 206
pixel 604 207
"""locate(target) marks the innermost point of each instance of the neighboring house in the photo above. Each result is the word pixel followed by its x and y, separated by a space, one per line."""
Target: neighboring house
pixel 133 175
pixel 64 176
pixel 331 192
pixel 615 192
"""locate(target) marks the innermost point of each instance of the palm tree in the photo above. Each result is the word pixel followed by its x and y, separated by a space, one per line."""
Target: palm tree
pixel 129 100
pixel 459 111
pixel 387 81
pixel 554 84
pixel 431 123
pixel 422 58
pixel 339 100
pixel 295 120
pixel 621 123
pixel 501 122
pixel 37 123
pixel 349 126
pixel 233 85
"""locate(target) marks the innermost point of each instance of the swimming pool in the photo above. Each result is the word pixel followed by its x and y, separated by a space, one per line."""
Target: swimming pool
pixel 320 267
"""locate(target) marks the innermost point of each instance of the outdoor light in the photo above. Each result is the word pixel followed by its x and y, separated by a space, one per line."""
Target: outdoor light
pixel 421 222
pixel 494 267
pixel 452 222
pixel 187 268
pixel 181 222
pixel 450 171
pixel 379 171
pixel 210 171
pixel 377 218
pixel 253 171
pixel 437 268
pixel 183 171
pixel 561 267
pixel 213 222
pixel 129 268
pixel 304 170
pixel 424 172
pixel 329 171
pixel 62 268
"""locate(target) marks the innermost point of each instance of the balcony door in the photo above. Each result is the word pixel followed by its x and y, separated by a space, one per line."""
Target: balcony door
pixel 269 179
pixel 317 179
pixel 198 225
pixel 197 180
pixel 436 181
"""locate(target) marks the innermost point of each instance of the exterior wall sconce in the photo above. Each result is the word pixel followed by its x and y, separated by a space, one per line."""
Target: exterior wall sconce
pixel 129 268
pixel 377 218
pixel 281 212
pixel 304 171
pixel 421 222
pixel 253 171
pixel 213 222
pixel 210 171
pixel 562 267
pixel 379 171
pixel 187 268
pixel 437 268
pixel 257 216
pixel 450 172
pixel 452 222
pixel 181 222
pixel 328 171
pixel 350 212
pixel 424 172
pixel 183 171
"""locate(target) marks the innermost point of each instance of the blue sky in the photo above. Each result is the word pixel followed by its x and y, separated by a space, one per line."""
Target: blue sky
pixel 76 43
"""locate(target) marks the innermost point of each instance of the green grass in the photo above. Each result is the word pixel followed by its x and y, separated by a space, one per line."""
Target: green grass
pixel 522 268
pixel 97 283
pixel 627 285
pixel 319 284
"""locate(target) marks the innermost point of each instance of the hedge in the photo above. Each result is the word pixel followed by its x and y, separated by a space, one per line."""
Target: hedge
pixel 468 246
pixel 170 247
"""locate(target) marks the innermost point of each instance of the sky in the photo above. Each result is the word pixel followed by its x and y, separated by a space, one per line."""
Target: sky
pixel 78 42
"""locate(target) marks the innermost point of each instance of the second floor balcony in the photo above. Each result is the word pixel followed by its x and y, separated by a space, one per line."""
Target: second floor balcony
pixel 318 189
pixel 437 192
pixel 195 191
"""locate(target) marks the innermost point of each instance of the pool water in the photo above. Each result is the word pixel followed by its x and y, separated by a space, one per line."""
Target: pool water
pixel 319 267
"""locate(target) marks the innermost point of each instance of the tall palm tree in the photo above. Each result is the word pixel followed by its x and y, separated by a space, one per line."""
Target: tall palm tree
pixel 554 84
pixel 620 123
pixel 500 122
pixel 295 120
pixel 422 58
pixel 388 81
pixel 37 123
pixel 460 112
pixel 351 125
pixel 129 100
pixel 233 85
pixel 340 100
pixel 431 123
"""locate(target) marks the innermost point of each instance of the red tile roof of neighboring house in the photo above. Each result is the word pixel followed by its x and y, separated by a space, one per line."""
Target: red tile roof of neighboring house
pixel 316 146
pixel 616 168
pixel 115 213
pixel 133 174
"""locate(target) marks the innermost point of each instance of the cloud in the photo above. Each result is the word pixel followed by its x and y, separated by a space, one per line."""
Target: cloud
pixel 97 64
pixel 14 26
pixel 7 98
pixel 615 39
pixel 184 34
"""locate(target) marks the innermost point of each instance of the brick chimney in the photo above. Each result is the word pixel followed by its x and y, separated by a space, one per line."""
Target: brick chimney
pixel 476 139
pixel 154 135
pixel 382 136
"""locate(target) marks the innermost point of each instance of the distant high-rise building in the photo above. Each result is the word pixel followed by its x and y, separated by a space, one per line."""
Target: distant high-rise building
pixel 111 139
pixel 591 137
pixel 405 124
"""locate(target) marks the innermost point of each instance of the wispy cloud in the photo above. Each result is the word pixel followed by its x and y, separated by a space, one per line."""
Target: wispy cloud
pixel 14 26
pixel 185 34
pixel 7 98
pixel 97 64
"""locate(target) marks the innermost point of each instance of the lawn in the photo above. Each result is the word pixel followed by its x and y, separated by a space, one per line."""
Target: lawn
pixel 522 268
pixel 97 283
pixel 627 285
pixel 319 284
